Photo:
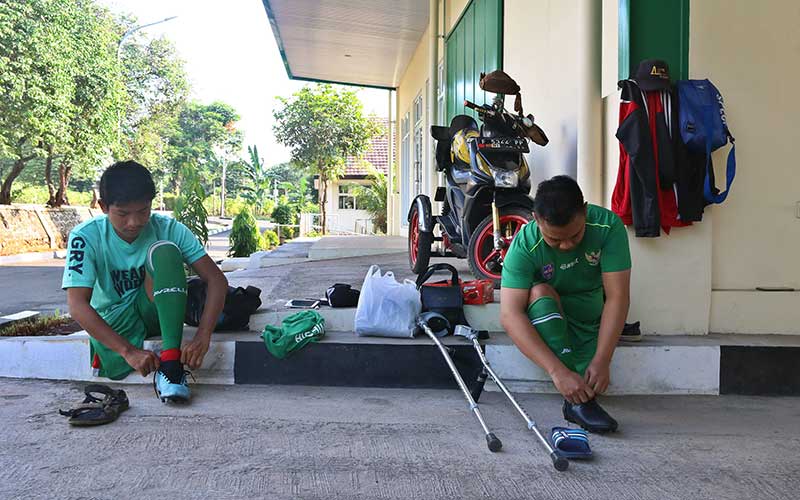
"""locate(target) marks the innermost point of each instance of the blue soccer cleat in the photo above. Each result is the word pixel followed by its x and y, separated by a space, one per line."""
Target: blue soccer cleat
pixel 170 384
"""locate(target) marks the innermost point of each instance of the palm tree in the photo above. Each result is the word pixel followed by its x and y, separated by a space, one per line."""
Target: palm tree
pixel 258 190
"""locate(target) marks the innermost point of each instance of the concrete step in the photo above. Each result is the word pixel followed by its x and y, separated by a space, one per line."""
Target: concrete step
pixel 486 317
pixel 710 364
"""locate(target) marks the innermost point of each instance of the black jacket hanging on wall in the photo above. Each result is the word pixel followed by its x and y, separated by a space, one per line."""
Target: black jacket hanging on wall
pixel 660 183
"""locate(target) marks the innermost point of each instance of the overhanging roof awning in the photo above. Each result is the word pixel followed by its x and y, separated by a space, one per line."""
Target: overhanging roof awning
pixel 357 42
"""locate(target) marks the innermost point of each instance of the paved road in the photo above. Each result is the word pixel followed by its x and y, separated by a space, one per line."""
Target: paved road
pixel 32 286
pixel 37 285
pixel 343 443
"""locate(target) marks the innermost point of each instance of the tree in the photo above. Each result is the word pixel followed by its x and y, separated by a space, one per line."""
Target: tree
pixel 156 88
pixel 373 197
pixel 96 98
pixel 189 209
pixel 323 125
pixel 36 82
pixel 201 130
pixel 59 85
pixel 257 190
pixel 286 172
pixel 298 193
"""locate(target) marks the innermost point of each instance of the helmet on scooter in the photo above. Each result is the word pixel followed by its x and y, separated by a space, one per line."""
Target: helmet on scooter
pixel 459 151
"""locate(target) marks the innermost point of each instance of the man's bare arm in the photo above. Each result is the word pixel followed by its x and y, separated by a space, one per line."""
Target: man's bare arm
pixel 217 288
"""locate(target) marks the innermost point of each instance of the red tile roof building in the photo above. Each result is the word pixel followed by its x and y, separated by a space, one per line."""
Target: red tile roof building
pixel 377 154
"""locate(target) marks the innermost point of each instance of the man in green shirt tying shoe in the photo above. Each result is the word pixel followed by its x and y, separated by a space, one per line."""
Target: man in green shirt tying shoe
pixel 565 295
pixel 125 282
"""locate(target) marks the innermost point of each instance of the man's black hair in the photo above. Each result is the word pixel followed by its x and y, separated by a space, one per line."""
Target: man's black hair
pixel 126 182
pixel 558 200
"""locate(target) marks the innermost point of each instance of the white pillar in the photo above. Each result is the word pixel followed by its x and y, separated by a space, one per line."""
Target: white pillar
pixel 590 103
pixel 390 215
pixel 433 102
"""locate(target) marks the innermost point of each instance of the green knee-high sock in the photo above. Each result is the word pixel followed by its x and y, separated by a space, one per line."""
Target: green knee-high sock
pixel 546 317
pixel 165 266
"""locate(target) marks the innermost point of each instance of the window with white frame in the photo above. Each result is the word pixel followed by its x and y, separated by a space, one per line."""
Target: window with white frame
pixel 347 197
pixel 405 165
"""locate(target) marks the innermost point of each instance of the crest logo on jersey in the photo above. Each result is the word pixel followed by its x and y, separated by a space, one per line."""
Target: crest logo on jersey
pixel 547 271
pixel 593 258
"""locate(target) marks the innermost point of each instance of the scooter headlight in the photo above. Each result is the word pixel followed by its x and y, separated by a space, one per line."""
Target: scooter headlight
pixel 505 178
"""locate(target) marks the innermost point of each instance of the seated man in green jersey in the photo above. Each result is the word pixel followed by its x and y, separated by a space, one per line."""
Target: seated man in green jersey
pixel 565 295
pixel 125 281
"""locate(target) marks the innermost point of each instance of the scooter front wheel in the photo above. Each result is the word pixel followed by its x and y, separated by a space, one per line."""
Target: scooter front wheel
pixel 484 261
pixel 419 244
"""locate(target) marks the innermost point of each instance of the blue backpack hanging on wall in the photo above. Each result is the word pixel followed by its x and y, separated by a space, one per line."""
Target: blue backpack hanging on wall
pixel 705 129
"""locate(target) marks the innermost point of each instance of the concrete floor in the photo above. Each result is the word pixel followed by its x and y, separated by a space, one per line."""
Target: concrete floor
pixel 336 443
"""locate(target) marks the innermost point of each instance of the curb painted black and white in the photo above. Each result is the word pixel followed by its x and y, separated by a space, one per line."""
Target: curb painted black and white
pixel 675 365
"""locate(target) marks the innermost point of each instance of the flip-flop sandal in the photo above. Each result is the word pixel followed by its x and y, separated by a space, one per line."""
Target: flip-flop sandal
pixel 571 443
pixel 96 410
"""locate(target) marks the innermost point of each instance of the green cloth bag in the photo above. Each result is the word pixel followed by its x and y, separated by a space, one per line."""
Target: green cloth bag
pixel 295 332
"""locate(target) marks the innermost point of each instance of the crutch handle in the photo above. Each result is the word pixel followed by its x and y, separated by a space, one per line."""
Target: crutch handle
pixel 560 463
pixel 493 442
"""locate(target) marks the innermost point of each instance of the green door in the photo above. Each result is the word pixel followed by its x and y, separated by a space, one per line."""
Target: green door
pixel 654 29
pixel 474 45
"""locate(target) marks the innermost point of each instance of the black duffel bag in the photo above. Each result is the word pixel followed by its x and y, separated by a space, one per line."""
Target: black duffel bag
pixel 240 303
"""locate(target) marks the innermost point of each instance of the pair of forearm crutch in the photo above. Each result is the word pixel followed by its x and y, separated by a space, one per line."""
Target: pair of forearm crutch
pixel 431 321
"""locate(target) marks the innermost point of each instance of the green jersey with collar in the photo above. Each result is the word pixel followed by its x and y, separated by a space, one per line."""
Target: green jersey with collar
pixel 577 274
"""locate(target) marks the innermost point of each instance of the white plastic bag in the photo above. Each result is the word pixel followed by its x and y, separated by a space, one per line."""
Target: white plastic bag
pixel 387 308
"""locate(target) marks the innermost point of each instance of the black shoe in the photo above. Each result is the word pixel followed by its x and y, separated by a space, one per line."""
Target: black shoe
pixel 590 415
pixel 631 333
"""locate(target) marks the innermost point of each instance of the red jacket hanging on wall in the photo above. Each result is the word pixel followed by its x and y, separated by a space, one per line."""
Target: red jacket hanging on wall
pixel 644 195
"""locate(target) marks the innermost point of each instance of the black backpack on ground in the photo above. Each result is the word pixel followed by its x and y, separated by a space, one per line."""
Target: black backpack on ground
pixel 240 303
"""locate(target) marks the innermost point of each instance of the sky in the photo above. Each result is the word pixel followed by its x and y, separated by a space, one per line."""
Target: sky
pixel 231 56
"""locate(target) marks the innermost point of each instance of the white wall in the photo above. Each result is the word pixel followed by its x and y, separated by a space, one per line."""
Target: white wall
pixel 750 50
pixel 540 53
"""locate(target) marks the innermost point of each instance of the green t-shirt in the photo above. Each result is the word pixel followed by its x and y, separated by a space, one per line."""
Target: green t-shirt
pixel 115 269
pixel 577 274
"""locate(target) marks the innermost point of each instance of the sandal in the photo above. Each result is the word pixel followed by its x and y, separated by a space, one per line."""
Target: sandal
pixel 96 410
pixel 571 443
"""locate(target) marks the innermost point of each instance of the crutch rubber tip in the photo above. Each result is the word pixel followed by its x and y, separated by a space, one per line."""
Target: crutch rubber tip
pixel 494 444
pixel 560 463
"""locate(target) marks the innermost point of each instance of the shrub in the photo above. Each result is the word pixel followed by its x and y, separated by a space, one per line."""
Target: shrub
pixel 284 213
pixel 270 238
pixel 287 232
pixel 244 237
pixel 169 201
pixel 38 195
